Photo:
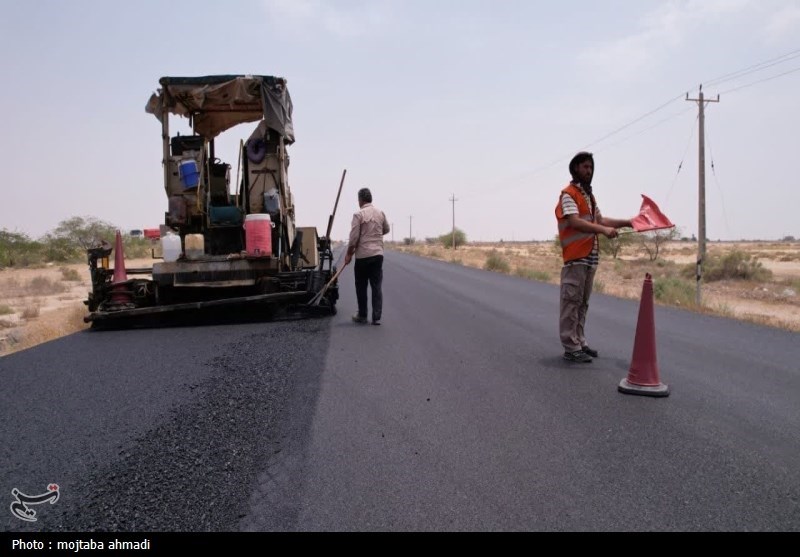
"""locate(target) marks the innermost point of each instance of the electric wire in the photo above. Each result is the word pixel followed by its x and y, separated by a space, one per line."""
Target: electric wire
pixel 760 81
pixel 754 68
pixel 721 196
pixel 683 158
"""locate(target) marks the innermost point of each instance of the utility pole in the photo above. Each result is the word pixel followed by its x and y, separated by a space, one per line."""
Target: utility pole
pixel 453 200
pixel 410 237
pixel 701 228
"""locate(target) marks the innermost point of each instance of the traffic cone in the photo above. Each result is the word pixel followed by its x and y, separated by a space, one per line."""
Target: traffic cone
pixel 120 293
pixel 643 374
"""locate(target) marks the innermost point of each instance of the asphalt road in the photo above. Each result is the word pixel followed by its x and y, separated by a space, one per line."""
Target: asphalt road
pixel 457 413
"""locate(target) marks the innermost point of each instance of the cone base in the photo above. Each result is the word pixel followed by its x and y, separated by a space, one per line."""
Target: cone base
pixel 630 389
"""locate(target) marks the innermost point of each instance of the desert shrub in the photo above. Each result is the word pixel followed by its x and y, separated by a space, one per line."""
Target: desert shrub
pixel 6 324
pixel 5 310
pixel 532 274
pixel 496 262
pixel 598 286
pixel 69 274
pixel 137 248
pixel 674 291
pixel 60 250
pixel 793 283
pixel 18 250
pixel 435 254
pixel 735 265
pixel 31 311
pixel 43 286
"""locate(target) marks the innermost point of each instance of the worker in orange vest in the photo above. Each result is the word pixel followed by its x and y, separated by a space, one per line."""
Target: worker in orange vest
pixel 579 223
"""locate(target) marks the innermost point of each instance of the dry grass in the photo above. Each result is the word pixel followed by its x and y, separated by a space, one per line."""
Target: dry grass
pixel 773 298
pixel 31 311
pixel 42 330
pixel 40 285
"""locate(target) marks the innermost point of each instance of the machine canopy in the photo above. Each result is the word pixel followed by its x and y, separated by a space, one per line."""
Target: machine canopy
pixel 216 103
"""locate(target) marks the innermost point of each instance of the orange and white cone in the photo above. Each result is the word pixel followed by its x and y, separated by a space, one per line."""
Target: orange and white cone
pixel 643 374
pixel 120 293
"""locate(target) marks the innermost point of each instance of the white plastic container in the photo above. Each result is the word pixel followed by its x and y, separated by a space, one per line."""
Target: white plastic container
pixel 195 246
pixel 171 246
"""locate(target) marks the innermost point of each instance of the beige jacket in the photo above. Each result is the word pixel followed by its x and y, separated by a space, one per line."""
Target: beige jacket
pixel 367 230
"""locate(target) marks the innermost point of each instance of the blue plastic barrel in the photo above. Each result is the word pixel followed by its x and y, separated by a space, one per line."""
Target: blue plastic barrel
pixel 188 173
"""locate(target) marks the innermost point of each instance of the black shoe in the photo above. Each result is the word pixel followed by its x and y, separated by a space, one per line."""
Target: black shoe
pixel 590 351
pixel 578 356
pixel 359 319
pixel 376 321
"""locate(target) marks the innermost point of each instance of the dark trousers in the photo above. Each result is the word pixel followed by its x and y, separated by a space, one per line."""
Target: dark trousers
pixel 369 270
pixel 576 289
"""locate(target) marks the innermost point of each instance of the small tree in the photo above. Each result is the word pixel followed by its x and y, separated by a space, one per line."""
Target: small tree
pixel 652 242
pixel 614 246
pixel 83 232
pixel 447 239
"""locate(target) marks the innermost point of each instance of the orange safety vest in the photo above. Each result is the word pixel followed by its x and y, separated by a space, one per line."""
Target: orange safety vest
pixel 574 243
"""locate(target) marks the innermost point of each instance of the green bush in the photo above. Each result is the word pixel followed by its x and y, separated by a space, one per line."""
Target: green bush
pixel 496 262
pixel 137 248
pixel 447 239
pixel 674 291
pixel 18 250
pixel 735 265
pixel 532 274
pixel 5 310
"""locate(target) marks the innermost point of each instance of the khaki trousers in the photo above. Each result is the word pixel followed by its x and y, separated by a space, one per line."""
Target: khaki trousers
pixel 576 288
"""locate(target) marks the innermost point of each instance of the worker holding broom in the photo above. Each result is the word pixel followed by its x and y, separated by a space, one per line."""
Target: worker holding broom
pixel 368 227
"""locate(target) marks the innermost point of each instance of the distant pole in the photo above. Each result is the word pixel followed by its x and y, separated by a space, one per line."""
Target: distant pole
pixel 409 229
pixel 701 160
pixel 453 201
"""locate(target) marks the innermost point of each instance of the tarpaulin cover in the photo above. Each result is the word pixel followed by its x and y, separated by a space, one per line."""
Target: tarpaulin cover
pixel 216 103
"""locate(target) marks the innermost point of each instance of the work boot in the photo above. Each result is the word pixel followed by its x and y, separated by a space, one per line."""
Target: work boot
pixel 590 351
pixel 578 356
pixel 359 319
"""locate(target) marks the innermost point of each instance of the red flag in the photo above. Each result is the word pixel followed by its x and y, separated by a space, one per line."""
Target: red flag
pixel 650 217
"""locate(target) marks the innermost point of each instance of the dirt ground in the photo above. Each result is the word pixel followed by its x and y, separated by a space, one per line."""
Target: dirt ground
pixel 44 303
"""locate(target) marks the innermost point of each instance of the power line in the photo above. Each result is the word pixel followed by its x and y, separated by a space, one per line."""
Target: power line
pixel 629 124
pixel 453 201
pixel 683 158
pixel 754 68
pixel 760 81
pixel 721 196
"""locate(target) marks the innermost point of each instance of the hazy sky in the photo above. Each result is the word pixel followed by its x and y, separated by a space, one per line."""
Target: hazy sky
pixel 420 100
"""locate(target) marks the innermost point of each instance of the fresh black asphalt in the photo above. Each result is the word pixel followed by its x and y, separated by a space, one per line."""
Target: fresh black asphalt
pixel 457 413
